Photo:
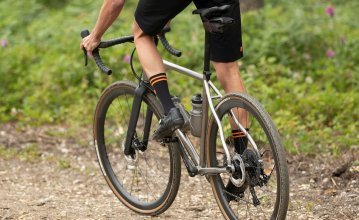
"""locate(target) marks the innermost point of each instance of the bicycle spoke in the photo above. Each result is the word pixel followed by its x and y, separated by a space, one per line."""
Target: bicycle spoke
pixel 149 187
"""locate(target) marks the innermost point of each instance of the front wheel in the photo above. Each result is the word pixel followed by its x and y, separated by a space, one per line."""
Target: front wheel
pixel 265 193
pixel 147 183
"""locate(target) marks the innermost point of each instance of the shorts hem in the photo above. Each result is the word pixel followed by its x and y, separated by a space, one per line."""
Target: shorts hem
pixel 227 59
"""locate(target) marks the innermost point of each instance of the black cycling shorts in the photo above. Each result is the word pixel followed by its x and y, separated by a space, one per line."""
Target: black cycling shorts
pixel 153 15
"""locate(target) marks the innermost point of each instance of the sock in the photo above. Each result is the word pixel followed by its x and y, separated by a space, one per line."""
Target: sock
pixel 240 141
pixel 159 83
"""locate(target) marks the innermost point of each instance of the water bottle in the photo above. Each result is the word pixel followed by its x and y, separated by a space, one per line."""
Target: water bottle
pixel 196 115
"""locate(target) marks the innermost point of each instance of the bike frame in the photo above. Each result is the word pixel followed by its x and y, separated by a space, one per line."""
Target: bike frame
pixel 197 162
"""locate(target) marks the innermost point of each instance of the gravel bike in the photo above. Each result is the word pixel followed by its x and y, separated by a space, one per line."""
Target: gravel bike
pixel 145 174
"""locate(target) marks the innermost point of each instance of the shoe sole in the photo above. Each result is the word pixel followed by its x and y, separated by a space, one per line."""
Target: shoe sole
pixel 173 129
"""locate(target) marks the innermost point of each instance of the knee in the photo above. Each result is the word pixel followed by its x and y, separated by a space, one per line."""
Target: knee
pixel 136 30
pixel 226 71
pixel 138 33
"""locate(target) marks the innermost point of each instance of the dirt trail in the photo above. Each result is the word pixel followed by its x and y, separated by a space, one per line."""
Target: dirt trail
pixel 47 174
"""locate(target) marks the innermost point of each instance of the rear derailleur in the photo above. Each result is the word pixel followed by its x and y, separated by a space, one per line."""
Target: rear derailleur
pixel 254 174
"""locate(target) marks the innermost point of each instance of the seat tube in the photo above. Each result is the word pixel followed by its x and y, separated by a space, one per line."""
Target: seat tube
pixel 207 54
pixel 206 77
pixel 135 111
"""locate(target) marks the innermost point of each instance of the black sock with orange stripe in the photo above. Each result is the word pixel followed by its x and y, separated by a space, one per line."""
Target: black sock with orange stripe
pixel 159 83
pixel 240 140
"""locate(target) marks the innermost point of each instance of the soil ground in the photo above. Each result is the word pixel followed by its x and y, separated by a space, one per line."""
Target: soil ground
pixel 45 173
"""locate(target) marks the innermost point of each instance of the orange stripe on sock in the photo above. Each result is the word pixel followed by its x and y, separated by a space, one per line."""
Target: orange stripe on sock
pixel 157 77
pixel 238 134
pixel 156 80
pixel 159 80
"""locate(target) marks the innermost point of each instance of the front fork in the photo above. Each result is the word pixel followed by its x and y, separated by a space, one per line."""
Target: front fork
pixel 135 112
pixel 147 127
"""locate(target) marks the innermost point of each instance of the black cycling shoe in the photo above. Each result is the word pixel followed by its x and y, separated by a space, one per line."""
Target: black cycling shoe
pixel 172 121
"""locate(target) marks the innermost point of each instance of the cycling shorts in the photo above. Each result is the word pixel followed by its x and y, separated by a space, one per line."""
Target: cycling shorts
pixel 153 15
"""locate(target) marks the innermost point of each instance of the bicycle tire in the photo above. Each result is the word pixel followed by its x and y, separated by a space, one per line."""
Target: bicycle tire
pixel 111 156
pixel 262 118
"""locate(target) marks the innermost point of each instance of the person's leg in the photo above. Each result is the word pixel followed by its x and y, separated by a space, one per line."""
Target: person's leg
pixel 152 65
pixel 226 49
pixel 148 54
pixel 229 77
pixel 151 16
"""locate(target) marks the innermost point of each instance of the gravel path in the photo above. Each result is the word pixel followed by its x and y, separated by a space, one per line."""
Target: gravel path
pixel 45 173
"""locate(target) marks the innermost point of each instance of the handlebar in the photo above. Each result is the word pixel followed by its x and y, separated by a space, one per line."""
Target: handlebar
pixel 168 47
pixel 110 43
pixel 96 56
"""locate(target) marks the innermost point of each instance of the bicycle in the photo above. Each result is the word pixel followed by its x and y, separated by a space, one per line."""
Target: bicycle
pixel 145 174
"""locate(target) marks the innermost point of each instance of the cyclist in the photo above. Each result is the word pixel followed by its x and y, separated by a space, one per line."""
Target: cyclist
pixel 150 18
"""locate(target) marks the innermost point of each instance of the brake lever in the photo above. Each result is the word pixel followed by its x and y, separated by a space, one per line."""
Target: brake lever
pixel 85 56
pixel 85 33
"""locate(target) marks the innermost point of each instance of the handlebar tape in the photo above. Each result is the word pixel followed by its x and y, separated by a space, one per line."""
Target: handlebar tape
pixel 170 49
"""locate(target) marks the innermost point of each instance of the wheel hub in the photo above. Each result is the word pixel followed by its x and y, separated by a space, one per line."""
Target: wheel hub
pixel 253 168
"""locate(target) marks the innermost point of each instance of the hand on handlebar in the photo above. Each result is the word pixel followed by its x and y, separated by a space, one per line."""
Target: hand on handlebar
pixel 91 46
pixel 89 43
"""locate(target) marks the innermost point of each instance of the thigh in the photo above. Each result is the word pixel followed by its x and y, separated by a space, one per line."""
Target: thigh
pixel 226 46
pixel 153 15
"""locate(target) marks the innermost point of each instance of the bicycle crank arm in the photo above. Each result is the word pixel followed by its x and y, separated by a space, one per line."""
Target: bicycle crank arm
pixel 215 170
pixel 191 168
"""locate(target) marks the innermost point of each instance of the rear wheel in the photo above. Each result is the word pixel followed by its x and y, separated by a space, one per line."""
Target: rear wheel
pixel 147 183
pixel 265 193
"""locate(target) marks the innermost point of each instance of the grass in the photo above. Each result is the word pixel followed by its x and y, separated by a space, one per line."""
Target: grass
pixel 7 153
pixel 63 164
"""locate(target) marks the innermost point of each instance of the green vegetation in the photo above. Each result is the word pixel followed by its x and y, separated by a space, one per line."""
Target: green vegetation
pixel 300 62
pixel 63 164
pixel 30 153
pixel 7 153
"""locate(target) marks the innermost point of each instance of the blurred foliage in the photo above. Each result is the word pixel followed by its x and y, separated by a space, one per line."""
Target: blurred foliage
pixel 300 62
